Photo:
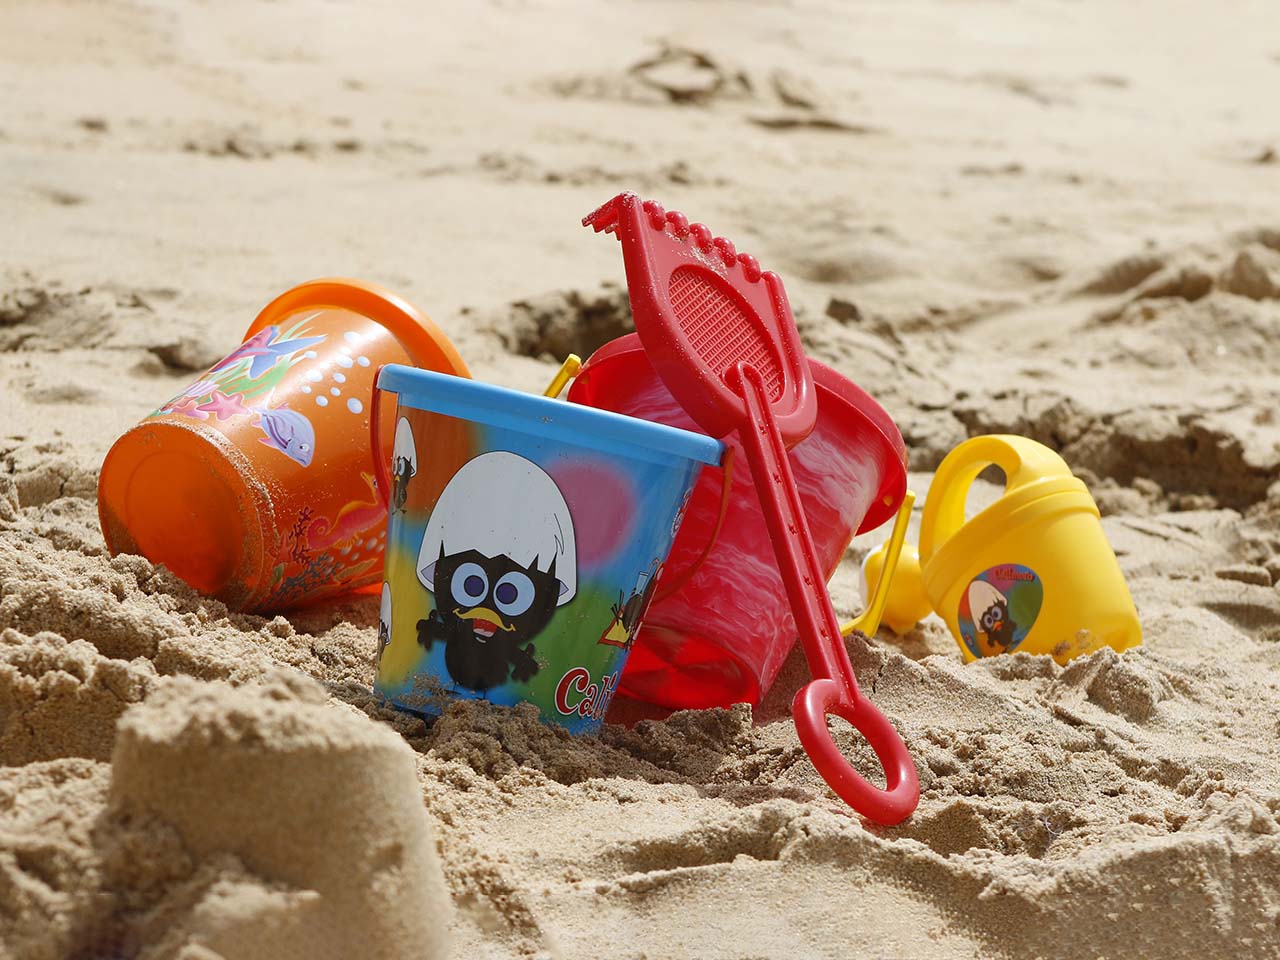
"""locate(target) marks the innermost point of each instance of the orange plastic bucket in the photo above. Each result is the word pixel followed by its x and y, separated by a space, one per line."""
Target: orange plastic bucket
pixel 256 484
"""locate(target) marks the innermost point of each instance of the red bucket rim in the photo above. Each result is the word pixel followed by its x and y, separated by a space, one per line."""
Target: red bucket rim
pixel 892 488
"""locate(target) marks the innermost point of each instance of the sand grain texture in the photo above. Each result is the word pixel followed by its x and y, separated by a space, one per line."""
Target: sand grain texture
pixel 1061 220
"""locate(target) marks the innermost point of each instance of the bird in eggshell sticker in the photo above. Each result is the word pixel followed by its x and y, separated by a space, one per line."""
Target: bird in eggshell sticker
pixel 999 608
pixel 404 463
pixel 499 556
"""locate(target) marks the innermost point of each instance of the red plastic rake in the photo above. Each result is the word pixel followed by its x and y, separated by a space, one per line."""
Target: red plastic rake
pixel 720 333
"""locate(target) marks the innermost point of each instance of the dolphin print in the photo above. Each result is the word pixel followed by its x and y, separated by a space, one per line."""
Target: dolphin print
pixel 263 354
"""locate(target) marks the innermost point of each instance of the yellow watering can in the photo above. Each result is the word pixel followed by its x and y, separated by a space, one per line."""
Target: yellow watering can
pixel 1033 572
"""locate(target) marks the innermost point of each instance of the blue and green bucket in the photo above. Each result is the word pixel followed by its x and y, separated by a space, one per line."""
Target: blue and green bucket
pixel 525 540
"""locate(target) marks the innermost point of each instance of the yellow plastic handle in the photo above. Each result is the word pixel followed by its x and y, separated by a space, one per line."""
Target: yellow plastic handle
pixel 869 620
pixel 568 370
pixel 1022 459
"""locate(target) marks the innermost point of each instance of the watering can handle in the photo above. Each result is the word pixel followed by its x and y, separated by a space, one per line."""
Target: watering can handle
pixel 868 622
pixel 1022 459
pixel 568 370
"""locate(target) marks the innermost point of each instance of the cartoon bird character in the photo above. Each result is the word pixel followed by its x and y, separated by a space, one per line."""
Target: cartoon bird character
pixel 404 463
pixel 627 614
pixel 384 621
pixel 499 555
pixel 990 611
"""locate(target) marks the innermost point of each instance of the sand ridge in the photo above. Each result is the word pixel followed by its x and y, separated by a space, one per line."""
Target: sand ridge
pixel 1056 220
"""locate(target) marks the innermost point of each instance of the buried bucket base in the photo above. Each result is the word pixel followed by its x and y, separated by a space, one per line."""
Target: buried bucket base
pixel 164 487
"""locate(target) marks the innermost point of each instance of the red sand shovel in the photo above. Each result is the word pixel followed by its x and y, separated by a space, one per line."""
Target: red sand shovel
pixel 720 334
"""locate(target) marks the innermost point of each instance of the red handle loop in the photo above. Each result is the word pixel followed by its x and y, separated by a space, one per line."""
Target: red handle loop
pixel 381 469
pixel 901 792
pixel 835 687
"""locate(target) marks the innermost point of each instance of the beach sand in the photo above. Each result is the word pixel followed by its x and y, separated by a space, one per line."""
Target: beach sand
pixel 1061 220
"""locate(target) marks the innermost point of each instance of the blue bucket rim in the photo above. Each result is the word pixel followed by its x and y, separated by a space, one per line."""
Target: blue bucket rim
pixel 573 423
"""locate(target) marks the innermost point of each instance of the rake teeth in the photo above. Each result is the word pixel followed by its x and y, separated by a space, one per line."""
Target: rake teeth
pixel 604 218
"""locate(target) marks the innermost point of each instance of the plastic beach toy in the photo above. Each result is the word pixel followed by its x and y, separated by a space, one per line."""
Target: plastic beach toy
pixel 721 626
pixel 255 484
pixel 529 543
pixel 720 334
pixel 1033 572
pixel 906 603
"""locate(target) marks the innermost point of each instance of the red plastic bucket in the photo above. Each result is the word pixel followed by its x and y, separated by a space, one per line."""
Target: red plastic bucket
pixel 723 635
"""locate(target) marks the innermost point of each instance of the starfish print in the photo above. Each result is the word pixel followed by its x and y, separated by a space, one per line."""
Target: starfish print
pixel 223 406
pixel 188 407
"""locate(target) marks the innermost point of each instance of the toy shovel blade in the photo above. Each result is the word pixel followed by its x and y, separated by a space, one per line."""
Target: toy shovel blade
pixel 700 307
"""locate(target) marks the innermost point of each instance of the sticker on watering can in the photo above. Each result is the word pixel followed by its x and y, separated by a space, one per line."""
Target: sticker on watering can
pixel 999 608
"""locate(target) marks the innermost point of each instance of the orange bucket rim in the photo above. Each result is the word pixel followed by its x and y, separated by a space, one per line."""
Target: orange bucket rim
pixel 427 345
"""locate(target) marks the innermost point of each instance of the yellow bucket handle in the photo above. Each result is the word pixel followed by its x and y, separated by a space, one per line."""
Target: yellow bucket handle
pixel 869 621
pixel 568 370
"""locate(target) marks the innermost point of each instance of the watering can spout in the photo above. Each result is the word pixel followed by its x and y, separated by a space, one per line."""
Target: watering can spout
pixel 893 582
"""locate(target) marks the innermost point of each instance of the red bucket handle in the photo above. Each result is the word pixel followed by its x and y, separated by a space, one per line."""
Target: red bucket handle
pixel 381 471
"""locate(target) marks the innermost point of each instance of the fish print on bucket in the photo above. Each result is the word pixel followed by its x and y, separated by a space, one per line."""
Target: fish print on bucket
pixel 264 350
pixel 243 383
pixel 289 432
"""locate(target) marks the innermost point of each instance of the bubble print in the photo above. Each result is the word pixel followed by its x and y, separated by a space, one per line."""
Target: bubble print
pixel 363 361
pixel 323 401
pixel 345 362
pixel 352 337
pixel 314 376
pixel 339 378
pixel 305 388
pixel 310 355
pixel 335 391
pixel 354 405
